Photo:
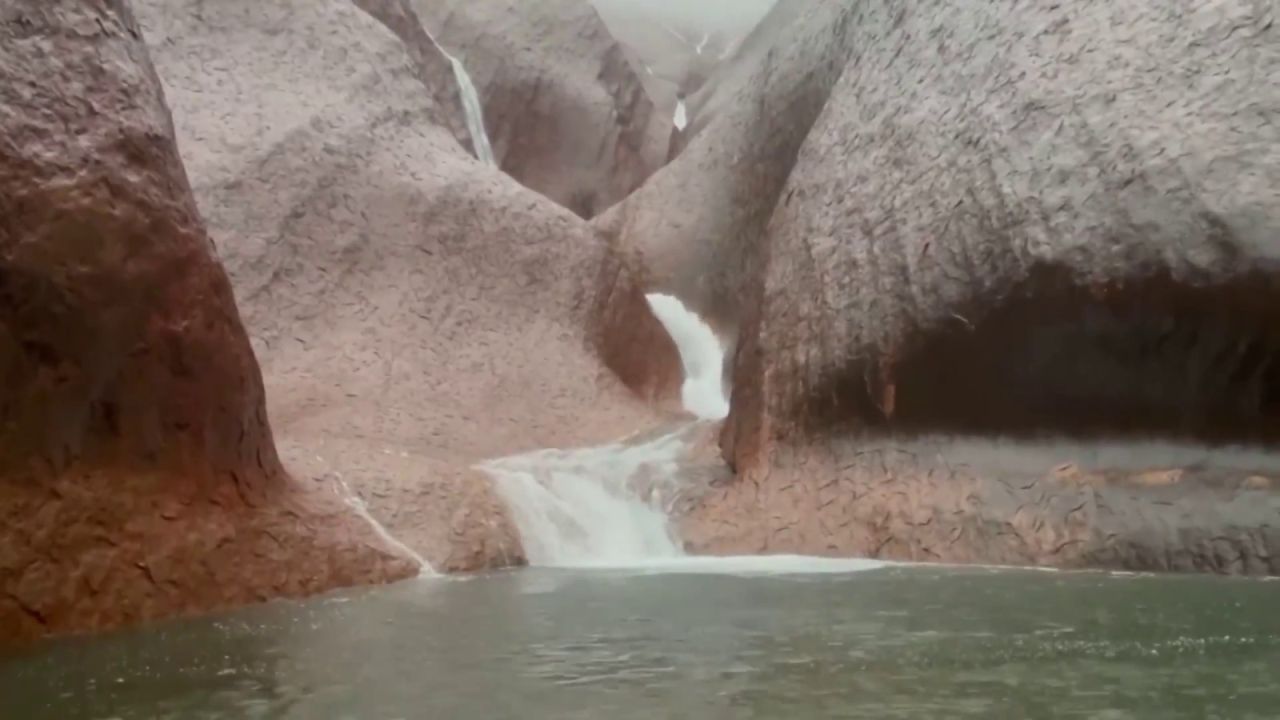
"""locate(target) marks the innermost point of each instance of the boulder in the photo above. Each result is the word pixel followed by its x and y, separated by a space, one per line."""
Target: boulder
pixel 1044 227
pixel 139 475
pixel 567 114
pixel 416 312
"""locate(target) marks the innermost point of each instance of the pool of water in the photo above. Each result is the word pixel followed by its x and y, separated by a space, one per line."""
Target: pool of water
pixel 891 642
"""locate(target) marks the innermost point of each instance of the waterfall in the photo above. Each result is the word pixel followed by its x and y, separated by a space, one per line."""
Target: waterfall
pixel 701 354
pixel 609 505
pixel 472 110
pixel 681 119
pixel 353 501
pixel 599 506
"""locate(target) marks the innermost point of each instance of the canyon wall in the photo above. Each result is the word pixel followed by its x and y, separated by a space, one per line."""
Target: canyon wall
pixel 138 476
pixel 567 113
pixel 415 311
pixel 1063 237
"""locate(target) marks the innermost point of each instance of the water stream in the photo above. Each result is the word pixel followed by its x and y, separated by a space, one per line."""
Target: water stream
pixel 608 506
pixel 357 505
pixel 474 112
pixel 598 506
pixel 472 109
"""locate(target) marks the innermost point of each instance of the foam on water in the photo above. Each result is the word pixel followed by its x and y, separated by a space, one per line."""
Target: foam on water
pixel 701 354
pixel 593 507
pixel 754 565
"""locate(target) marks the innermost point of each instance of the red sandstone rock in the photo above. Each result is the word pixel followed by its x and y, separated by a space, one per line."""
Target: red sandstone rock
pixel 567 114
pixel 1076 234
pixel 139 477
pixel 693 229
pixel 415 311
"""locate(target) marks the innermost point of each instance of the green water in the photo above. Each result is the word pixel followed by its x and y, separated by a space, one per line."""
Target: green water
pixel 887 643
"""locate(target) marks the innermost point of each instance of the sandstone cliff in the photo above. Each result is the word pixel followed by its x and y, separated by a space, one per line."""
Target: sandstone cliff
pixel 693 229
pixel 567 114
pixel 138 477
pixel 1073 231
pixel 414 310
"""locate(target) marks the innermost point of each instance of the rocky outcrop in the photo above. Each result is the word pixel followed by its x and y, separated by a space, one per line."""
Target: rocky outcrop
pixel 722 85
pixel 138 477
pixel 693 229
pixel 415 311
pixel 566 113
pixel 1071 230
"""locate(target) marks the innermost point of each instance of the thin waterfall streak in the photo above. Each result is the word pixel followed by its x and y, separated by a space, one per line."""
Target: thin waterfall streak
pixel 358 506
pixel 472 108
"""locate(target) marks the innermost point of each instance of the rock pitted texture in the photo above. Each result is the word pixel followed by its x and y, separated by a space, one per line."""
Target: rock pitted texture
pixel 415 311
pixel 1019 220
pixel 567 114
pixel 694 228
pixel 139 477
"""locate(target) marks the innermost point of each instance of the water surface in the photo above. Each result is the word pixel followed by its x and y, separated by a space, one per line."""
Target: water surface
pixel 894 642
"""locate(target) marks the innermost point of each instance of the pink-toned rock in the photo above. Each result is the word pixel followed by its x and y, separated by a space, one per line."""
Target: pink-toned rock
pixel 139 474
pixel 1074 235
pixel 567 114
pixel 415 311
pixel 694 228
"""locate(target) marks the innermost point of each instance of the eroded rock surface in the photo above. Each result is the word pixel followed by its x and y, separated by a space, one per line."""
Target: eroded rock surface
pixel 1071 230
pixel 676 46
pixel 567 114
pixel 693 230
pixel 138 477
pixel 415 311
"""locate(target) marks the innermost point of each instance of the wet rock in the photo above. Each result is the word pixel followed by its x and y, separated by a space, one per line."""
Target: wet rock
pixel 140 476
pixel 1060 256
pixel 693 229
pixel 676 46
pixel 974 500
pixel 567 114
pixel 415 311
pixel 722 84
pixel 1068 231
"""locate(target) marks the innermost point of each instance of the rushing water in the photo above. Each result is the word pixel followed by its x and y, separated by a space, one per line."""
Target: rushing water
pixel 701 355
pixel 602 506
pixel 895 642
pixel 608 506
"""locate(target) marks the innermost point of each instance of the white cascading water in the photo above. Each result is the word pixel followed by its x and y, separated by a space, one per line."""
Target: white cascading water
pixel 472 110
pixel 701 354
pixel 608 506
pixel 357 505
pixel 681 119
pixel 601 506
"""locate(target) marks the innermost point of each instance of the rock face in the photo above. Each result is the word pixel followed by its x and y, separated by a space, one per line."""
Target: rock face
pixel 139 474
pixel 675 46
pixel 1072 230
pixel 567 114
pixel 694 228
pixel 415 311
pixel 722 84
